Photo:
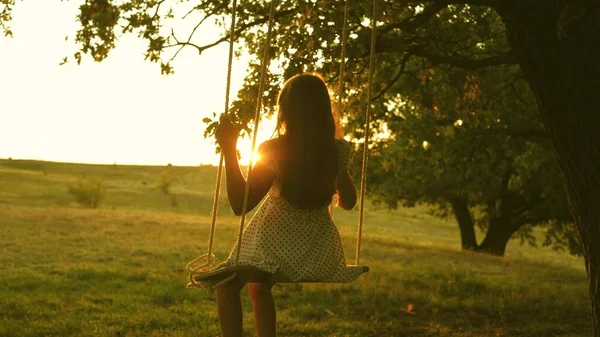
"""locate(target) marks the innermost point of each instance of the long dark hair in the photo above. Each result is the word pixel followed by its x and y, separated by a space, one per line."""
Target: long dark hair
pixel 307 128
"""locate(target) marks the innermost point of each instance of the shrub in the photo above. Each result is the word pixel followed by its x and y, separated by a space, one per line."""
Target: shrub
pixel 165 183
pixel 88 192
pixel 167 179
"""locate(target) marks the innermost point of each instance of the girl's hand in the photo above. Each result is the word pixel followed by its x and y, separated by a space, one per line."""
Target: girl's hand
pixel 226 134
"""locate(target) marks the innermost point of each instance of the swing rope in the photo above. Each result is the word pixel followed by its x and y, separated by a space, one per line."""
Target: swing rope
pixel 342 69
pixel 215 208
pixel 363 176
pixel 343 56
pixel 204 262
pixel 263 71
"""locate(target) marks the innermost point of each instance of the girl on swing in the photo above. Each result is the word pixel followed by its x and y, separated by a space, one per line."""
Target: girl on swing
pixel 292 236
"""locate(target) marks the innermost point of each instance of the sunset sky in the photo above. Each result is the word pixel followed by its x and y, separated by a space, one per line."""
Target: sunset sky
pixel 120 110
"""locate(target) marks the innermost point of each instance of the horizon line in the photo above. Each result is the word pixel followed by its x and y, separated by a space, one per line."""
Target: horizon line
pixel 107 164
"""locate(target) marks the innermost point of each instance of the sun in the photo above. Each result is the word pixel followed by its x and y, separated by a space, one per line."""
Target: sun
pixel 265 132
pixel 246 155
pixel 255 158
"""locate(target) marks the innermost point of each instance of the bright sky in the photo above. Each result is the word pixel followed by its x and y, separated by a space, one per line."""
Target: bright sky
pixel 120 110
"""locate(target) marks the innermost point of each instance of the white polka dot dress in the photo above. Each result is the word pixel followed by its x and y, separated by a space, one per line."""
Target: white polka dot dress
pixel 298 244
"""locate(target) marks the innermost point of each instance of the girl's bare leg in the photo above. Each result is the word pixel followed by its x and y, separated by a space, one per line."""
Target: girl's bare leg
pixel 229 306
pixel 263 305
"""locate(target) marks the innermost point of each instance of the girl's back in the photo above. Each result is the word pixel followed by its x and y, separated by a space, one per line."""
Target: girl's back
pixel 307 181
pixel 306 149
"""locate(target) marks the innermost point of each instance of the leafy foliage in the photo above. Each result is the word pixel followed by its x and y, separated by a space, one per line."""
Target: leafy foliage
pixel 5 16
pixel 103 20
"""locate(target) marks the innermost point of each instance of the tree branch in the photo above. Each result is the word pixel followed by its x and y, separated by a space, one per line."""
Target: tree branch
pixel 533 134
pixel 188 42
pixel 413 22
pixel 398 44
pixel 498 91
pixel 157 8
pixel 238 32
pixel 464 63
pixel 395 79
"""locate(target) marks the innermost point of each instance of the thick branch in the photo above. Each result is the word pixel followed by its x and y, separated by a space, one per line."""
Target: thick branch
pixel 533 134
pixel 397 44
pixel 464 63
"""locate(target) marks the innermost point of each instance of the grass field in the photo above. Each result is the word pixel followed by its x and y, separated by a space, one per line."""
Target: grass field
pixel 119 270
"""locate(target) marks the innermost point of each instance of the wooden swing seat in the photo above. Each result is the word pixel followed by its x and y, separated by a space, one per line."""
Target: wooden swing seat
pixel 221 275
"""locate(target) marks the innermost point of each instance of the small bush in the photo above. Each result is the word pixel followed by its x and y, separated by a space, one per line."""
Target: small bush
pixel 167 179
pixel 165 183
pixel 88 192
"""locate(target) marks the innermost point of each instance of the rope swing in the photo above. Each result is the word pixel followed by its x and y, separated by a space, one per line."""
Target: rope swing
pixel 365 157
pixel 201 274
pixel 204 262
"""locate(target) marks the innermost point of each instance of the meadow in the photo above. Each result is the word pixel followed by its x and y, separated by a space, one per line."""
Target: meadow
pixel 119 269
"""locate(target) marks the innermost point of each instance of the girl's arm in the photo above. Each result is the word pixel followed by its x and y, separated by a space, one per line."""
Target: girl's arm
pixel 346 191
pixel 261 177
pixel 343 184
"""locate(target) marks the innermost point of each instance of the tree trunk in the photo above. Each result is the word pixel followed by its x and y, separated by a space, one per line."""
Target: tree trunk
pixel 497 237
pixel 558 45
pixel 465 224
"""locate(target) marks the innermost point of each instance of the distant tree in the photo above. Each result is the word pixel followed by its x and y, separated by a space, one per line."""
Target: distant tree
pixel 476 169
pixel 471 143
pixel 555 44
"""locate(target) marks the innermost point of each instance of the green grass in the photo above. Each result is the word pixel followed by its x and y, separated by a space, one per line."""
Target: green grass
pixel 119 270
